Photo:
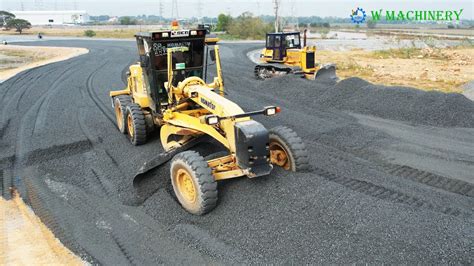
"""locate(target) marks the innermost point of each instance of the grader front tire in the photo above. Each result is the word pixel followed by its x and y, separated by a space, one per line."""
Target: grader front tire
pixel 120 108
pixel 136 125
pixel 193 183
pixel 287 150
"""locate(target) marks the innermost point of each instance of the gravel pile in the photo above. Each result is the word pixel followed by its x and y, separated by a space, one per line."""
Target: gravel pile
pixel 391 102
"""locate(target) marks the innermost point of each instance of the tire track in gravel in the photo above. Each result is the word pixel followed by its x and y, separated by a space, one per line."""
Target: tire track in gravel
pixel 94 97
pixel 41 112
pixel 19 94
pixel 18 80
pixel 20 159
pixel 35 198
pixel 23 93
pixel 100 152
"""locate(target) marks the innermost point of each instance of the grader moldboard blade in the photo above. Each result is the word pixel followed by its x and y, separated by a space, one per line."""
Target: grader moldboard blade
pixel 163 158
pixel 326 73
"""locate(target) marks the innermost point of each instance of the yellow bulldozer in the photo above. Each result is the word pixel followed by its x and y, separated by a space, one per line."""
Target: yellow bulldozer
pixel 285 54
pixel 167 90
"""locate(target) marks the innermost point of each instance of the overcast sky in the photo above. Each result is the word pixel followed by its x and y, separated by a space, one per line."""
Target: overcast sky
pixel 188 8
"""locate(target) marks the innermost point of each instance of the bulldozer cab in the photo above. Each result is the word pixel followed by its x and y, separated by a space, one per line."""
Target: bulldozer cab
pixel 152 48
pixel 281 41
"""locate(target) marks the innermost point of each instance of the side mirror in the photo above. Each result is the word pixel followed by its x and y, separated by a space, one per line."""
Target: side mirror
pixel 212 55
pixel 144 61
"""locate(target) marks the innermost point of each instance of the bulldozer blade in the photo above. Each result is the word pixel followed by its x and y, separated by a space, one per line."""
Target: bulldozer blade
pixel 327 72
pixel 163 158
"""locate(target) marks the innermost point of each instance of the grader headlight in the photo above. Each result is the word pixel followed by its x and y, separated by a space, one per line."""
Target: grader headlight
pixel 211 119
pixel 271 110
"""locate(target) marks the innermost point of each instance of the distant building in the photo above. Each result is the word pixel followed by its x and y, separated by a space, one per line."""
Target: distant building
pixel 113 19
pixel 53 17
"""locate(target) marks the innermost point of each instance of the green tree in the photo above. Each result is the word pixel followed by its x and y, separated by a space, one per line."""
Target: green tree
pixel 18 24
pixel 223 22
pixel 5 17
pixel 127 21
pixel 89 33
pixel 371 24
pixel 246 26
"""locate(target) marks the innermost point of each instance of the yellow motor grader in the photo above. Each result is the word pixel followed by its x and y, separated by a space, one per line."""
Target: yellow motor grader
pixel 285 54
pixel 167 90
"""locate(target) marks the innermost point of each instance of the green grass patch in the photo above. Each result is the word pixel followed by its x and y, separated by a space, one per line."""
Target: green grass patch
pixel 403 53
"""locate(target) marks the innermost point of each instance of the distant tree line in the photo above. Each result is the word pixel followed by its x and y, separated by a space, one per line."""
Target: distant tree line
pixel 223 21
pixel 245 26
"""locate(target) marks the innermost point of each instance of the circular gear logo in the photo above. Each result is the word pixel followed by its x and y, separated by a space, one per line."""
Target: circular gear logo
pixel 358 15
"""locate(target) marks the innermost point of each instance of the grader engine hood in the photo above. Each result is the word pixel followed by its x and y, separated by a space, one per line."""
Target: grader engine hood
pixel 252 148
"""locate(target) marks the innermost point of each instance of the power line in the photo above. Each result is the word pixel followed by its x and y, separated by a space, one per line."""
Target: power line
pixel 199 10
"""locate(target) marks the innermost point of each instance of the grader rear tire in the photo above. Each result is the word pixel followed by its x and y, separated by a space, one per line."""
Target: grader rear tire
pixel 136 126
pixel 120 108
pixel 287 150
pixel 193 183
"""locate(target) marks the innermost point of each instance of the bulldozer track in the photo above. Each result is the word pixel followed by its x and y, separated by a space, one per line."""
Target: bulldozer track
pixel 386 194
pixel 416 175
pixel 430 179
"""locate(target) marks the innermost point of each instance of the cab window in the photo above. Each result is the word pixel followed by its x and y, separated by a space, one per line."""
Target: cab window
pixel 292 41
pixel 270 39
pixel 277 41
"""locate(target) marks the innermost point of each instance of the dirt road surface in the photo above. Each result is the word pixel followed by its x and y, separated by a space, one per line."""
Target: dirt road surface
pixel 387 184
pixel 27 241
pixel 27 57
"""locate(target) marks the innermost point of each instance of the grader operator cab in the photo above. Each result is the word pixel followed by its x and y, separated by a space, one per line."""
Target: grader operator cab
pixel 286 53
pixel 168 90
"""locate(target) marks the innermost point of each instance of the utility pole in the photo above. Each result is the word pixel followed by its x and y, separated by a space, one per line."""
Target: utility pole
pixel 199 11
pixel 174 10
pixel 276 5
pixel 161 9
pixel 295 21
